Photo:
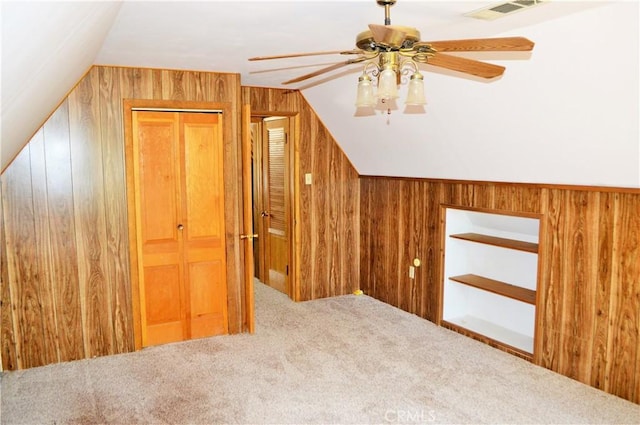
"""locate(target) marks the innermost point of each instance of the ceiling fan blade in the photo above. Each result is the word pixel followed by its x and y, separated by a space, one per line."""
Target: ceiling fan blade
pixel 326 69
pixel 297 55
pixel 468 66
pixel 483 45
pixel 387 35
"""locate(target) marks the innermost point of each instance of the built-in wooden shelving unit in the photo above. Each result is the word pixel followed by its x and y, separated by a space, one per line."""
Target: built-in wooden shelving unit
pixel 490 277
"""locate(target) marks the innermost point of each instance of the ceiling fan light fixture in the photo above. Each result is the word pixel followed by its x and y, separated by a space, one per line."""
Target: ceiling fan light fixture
pixel 415 91
pixel 387 84
pixel 365 97
pixel 400 48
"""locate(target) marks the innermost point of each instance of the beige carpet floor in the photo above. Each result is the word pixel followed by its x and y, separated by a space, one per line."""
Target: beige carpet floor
pixel 349 359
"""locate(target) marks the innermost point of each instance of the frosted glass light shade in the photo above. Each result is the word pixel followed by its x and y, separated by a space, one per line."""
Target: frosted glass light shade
pixel 415 91
pixel 387 84
pixel 365 97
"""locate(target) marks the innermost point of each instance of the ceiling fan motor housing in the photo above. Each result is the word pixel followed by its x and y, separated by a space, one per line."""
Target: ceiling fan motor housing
pixel 405 39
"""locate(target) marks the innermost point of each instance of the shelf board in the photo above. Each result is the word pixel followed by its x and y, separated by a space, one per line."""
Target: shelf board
pixel 495 286
pixel 496 241
pixel 492 334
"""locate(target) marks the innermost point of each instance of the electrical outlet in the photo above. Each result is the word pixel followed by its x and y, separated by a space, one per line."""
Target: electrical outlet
pixel 307 179
pixel 412 272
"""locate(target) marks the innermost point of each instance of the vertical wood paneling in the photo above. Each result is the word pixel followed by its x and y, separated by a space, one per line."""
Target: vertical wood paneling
pixel 7 342
pixel 416 222
pixel 156 84
pixel 334 227
pixel 380 227
pixel 319 161
pixel 484 195
pixel 406 250
pixel 550 299
pixel 579 268
pixel 589 273
pixel 89 213
pixel 117 255
pixel 388 246
pixel 22 264
pixel 43 248
pixel 350 214
pixel 195 86
pixel 62 236
pixel 67 277
pixel 143 83
pixel 624 309
pixel 366 234
pixel 599 377
pixel 433 248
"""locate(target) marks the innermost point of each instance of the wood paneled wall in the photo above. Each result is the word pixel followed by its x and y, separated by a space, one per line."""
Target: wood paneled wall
pixel 329 208
pixel 589 308
pixel 65 271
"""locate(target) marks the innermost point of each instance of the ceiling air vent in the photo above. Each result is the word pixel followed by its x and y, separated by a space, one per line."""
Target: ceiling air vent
pixel 503 9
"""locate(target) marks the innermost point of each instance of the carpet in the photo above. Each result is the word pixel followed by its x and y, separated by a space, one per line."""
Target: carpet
pixel 349 359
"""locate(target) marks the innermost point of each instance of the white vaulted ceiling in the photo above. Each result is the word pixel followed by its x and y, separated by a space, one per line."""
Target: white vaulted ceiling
pixel 567 113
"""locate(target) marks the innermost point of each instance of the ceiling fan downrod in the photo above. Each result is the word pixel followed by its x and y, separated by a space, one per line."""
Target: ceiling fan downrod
pixel 387 9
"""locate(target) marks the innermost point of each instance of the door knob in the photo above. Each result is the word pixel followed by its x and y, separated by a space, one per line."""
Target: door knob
pixel 265 213
pixel 250 237
pixel 180 227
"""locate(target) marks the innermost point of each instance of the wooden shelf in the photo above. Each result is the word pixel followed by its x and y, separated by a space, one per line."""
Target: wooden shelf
pixel 497 287
pixel 496 241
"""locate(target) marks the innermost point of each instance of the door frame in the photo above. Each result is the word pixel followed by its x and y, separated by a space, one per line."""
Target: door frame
pixel 129 156
pixel 294 191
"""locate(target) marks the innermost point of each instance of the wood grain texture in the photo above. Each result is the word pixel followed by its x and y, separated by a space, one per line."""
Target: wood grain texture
pixel 329 225
pixel 599 377
pixel 62 236
pixel 43 247
pixel 67 275
pixel 23 265
pixel 624 309
pixel 89 215
pixel 579 267
pixel 113 86
pixel 588 294
pixel 8 354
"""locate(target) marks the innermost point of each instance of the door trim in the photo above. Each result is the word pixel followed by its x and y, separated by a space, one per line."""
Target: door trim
pixel 129 105
pixel 294 195
pixel 247 218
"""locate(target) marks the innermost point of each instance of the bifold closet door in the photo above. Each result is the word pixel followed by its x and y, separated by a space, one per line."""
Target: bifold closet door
pixel 178 160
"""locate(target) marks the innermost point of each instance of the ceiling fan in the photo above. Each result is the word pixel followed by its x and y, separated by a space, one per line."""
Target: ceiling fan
pixel 392 45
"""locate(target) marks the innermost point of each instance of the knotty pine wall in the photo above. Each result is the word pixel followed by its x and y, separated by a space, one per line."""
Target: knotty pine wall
pixel 64 261
pixel 329 249
pixel 589 308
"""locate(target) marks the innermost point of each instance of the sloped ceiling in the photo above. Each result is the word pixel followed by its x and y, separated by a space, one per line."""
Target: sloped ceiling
pixel 46 48
pixel 567 113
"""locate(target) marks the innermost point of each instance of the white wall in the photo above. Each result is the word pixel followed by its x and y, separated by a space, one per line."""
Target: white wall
pixel 567 115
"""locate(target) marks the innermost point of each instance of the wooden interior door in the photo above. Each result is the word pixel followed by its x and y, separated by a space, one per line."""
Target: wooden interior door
pixel 275 199
pixel 178 178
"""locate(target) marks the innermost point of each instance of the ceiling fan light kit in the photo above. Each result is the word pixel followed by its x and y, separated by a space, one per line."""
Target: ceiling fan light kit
pixel 389 52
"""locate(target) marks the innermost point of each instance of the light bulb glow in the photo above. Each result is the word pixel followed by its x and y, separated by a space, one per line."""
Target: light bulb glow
pixel 387 84
pixel 365 97
pixel 415 91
